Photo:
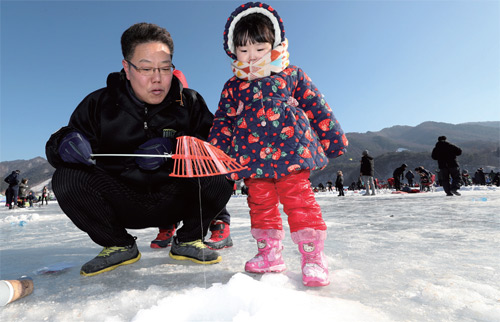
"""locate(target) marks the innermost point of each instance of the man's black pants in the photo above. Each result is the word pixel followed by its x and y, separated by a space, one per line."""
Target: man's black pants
pixel 454 173
pixel 104 206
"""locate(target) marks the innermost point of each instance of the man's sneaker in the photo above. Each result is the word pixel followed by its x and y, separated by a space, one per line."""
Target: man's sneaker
pixel 164 238
pixel 194 251
pixel 456 193
pixel 110 258
pixel 221 237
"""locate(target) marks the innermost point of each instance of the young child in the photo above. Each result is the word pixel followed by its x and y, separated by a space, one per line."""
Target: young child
pixel 339 183
pixel 272 119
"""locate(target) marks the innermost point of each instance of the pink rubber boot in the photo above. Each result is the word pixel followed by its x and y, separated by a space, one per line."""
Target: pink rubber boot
pixel 268 259
pixel 314 262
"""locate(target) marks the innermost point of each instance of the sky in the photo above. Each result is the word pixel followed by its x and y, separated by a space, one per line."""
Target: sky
pixel 390 259
pixel 378 63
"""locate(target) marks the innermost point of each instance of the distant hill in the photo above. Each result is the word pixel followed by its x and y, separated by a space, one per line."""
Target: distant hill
pixel 480 142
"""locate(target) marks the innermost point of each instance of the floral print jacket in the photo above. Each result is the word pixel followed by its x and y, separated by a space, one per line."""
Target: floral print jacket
pixel 276 125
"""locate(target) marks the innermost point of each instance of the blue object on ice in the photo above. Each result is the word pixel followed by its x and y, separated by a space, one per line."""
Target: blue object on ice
pixel 22 223
pixel 480 199
pixel 54 268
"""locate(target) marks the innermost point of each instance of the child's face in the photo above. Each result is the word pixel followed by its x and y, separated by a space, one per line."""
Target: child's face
pixel 252 52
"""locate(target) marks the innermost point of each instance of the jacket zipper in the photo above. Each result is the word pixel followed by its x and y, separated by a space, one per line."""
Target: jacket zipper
pixel 146 116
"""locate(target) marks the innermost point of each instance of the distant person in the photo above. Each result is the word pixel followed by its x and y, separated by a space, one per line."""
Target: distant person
pixel 31 197
pixel 480 177
pixel 409 177
pixel 23 192
pixel 244 189
pixel 45 195
pixel 12 191
pixel 446 155
pixel 367 171
pixel 329 186
pixel 491 176
pixel 496 179
pixel 282 145
pixel 425 178
pixel 398 176
pixel 339 183
pixel 466 179
pixel 142 110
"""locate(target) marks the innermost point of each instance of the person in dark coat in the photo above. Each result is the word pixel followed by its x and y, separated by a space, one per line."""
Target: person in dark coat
pixel 480 177
pixel 398 175
pixel 367 171
pixel 23 192
pixel 446 155
pixel 142 110
pixel 339 183
pixel 13 190
pixel 496 179
pixel 409 176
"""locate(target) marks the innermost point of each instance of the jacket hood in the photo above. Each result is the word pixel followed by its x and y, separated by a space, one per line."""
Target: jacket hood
pixel 244 10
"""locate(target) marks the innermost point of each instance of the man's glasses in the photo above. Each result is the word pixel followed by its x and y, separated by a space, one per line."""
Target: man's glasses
pixel 167 70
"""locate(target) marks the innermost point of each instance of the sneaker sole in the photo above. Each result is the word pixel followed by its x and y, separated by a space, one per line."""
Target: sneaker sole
pixel 180 258
pixel 214 246
pixel 159 246
pixel 273 269
pixel 316 283
pixel 110 268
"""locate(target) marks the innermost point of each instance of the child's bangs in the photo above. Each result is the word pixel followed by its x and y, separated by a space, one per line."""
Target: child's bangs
pixel 252 37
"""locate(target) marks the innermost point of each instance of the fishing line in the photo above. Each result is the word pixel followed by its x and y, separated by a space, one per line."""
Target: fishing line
pixel 202 236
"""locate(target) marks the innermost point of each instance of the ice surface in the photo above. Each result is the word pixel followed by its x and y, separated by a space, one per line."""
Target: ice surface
pixel 392 257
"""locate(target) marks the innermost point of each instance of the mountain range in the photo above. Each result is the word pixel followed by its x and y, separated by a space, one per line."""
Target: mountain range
pixel 390 147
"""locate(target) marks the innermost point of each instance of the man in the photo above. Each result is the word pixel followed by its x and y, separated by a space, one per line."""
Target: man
pixel 367 171
pixel 142 110
pixel 13 190
pixel 446 155
pixel 398 175
pixel 221 237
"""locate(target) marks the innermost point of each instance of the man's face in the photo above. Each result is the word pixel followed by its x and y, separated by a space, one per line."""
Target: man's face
pixel 154 88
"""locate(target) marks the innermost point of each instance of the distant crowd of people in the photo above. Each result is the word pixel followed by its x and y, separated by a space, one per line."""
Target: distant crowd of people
pixel 18 194
pixel 447 175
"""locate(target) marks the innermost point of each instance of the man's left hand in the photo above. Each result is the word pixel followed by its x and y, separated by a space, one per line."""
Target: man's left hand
pixel 156 146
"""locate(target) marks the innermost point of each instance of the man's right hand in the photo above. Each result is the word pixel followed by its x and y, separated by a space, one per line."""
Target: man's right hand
pixel 75 148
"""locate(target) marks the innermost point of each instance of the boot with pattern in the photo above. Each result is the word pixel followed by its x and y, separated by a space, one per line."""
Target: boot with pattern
pixel 268 258
pixel 314 263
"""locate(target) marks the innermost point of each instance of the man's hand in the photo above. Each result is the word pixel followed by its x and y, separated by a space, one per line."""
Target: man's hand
pixel 156 146
pixel 75 148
